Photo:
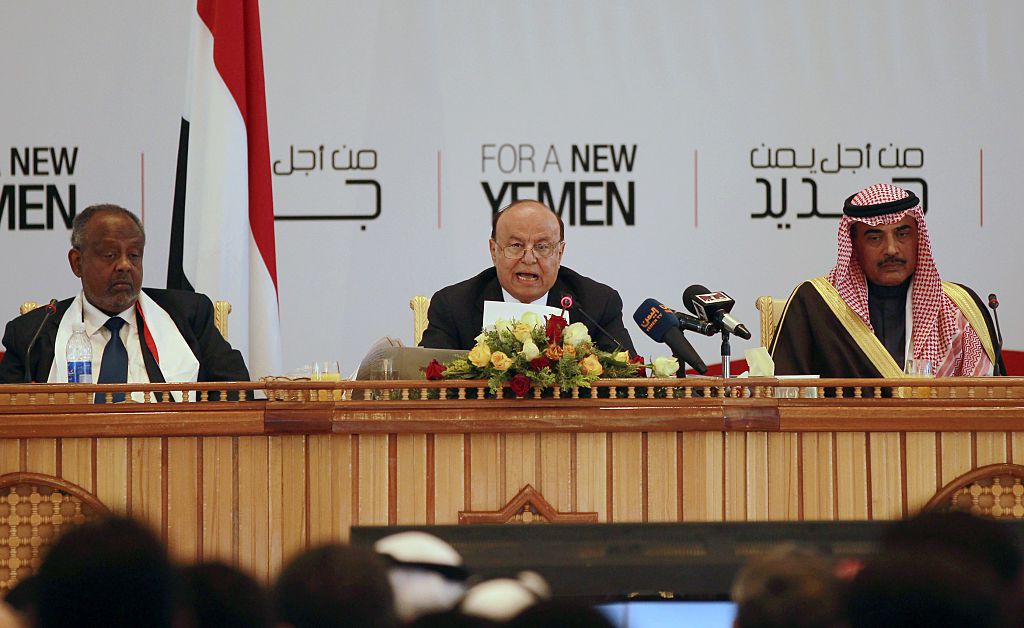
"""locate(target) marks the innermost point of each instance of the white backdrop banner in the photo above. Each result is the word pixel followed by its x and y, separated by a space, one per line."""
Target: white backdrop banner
pixel 681 142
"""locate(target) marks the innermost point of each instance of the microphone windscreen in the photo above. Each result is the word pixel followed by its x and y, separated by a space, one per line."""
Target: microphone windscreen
pixel 690 293
pixel 654 319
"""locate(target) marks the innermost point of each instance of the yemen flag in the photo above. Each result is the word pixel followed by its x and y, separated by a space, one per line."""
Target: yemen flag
pixel 222 231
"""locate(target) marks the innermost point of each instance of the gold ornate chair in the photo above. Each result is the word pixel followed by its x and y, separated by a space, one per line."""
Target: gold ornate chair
pixel 34 509
pixel 771 313
pixel 221 310
pixel 419 305
pixel 994 491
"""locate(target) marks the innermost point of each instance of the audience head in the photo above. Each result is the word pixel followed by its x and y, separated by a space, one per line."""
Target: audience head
pixel 527 242
pixel 788 587
pixel 107 243
pixel 111 572
pixel 426 573
pixel 335 586
pixel 501 599
pixel 218 596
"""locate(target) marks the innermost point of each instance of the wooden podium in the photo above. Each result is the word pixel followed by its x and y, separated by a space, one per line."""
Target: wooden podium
pixel 254 482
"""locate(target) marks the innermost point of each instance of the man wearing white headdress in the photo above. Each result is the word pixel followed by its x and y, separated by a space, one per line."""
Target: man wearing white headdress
pixel 884 303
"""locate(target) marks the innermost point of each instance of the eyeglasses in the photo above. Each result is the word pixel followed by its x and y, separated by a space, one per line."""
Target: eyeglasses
pixel 541 249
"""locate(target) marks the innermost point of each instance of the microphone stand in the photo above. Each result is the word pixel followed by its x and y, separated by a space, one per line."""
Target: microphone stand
pixel 726 353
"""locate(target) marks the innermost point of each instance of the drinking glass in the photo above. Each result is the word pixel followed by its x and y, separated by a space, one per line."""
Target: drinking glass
pixel 383 369
pixel 327 371
pixel 920 368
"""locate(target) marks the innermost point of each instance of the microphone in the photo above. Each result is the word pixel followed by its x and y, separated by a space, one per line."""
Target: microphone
pixel 993 304
pixel 714 307
pixel 686 322
pixel 567 303
pixel 51 309
pixel 661 327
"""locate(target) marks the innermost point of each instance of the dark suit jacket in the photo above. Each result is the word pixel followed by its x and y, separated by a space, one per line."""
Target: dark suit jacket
pixel 456 313
pixel 191 312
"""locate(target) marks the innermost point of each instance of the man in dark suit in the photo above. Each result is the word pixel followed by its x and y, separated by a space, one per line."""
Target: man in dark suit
pixel 527 242
pixel 161 335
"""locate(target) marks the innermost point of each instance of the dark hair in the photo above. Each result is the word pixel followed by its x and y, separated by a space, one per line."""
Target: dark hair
pixel 219 596
pixel 496 216
pixel 111 572
pixel 790 586
pixel 335 586
pixel 82 219
pixel 559 614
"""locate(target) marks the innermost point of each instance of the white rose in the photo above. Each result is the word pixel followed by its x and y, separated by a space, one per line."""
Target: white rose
pixel 665 367
pixel 622 356
pixel 481 337
pixel 531 319
pixel 530 350
pixel 575 334
pixel 502 324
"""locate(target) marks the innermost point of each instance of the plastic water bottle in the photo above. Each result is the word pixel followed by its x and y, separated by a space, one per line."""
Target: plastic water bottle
pixel 79 354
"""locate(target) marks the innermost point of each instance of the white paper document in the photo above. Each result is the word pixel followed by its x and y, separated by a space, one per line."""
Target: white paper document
pixel 496 310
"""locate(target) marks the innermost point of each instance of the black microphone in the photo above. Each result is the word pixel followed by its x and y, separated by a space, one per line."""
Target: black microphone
pixel 714 307
pixel 993 304
pixel 662 327
pixel 686 322
pixel 51 309
pixel 567 303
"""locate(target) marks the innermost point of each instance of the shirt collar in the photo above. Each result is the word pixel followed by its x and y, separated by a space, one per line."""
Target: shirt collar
pixel 508 298
pixel 94 319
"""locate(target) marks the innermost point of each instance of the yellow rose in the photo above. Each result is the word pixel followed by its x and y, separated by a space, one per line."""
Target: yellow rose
pixel 590 365
pixel 622 356
pixel 522 332
pixel 500 361
pixel 501 325
pixel 480 355
pixel 553 352
pixel 530 318
pixel 569 350
pixel 665 367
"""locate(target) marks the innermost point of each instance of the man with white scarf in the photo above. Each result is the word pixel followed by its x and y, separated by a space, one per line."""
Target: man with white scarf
pixel 883 302
pixel 138 335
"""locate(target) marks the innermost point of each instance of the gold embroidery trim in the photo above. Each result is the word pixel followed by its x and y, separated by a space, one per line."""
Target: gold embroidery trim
pixel 858 330
pixel 963 301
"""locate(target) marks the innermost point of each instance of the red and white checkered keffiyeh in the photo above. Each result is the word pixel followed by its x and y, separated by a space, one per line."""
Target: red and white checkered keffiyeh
pixel 941 333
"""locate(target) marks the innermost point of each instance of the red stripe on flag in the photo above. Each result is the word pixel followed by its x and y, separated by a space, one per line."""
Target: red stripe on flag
pixel 238 56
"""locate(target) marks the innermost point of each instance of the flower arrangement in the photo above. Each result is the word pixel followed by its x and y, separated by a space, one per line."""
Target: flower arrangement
pixel 528 352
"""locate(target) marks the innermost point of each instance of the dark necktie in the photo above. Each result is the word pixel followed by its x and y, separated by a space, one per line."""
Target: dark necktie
pixel 114 366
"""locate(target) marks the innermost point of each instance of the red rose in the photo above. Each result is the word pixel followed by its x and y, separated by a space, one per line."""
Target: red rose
pixel 553 328
pixel 641 371
pixel 435 370
pixel 520 385
pixel 539 363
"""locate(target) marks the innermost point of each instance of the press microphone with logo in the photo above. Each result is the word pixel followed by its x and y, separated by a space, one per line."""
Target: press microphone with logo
pixel 568 304
pixel 661 326
pixel 51 309
pixel 686 322
pixel 714 307
pixel 993 304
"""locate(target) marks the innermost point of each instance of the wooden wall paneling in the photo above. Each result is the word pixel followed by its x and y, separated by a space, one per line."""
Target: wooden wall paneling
pixel 783 477
pixel 288 491
pixel 373 479
pixel 10 455
pixel 662 477
pixel 41 455
pixel 627 471
pixel 817 476
pixel 703 490
pixel 1017 445
pixel 112 473
pixel 219 499
pixel 321 484
pixel 886 476
pixel 592 467
pixel 254 507
pixel 556 472
pixel 922 475
pixel 957 457
pixel 147 481
pixel 449 472
pixel 485 464
pixel 76 463
pixel 342 486
pixel 757 476
pixel 412 479
pixel 991 448
pixel 851 475
pixel 736 476
pixel 521 453
pixel 183 517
